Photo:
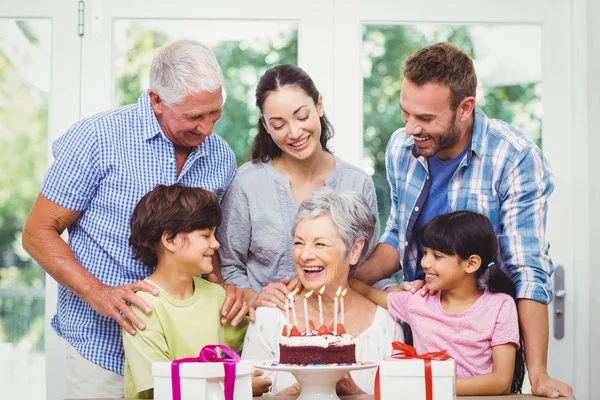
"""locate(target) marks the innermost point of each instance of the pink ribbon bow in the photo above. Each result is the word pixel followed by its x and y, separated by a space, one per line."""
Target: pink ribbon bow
pixel 208 354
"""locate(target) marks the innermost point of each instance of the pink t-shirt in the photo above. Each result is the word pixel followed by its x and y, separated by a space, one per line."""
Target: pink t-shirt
pixel 468 336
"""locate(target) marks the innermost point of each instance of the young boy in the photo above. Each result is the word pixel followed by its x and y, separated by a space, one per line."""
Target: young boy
pixel 173 233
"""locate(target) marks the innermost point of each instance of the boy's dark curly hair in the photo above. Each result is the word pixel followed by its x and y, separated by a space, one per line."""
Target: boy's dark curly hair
pixel 172 209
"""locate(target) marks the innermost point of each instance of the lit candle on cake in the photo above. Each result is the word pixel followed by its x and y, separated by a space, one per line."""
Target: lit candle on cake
pixel 293 303
pixel 342 305
pixel 335 310
pixel 287 312
pixel 306 296
pixel 321 307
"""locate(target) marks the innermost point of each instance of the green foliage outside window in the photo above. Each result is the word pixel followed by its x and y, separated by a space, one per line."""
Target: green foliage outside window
pixel 23 162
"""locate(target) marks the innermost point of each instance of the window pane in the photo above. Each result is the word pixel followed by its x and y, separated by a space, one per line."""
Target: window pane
pixel 508 64
pixel 24 90
pixel 244 49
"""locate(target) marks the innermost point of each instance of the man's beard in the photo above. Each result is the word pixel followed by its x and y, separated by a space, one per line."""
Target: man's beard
pixel 442 142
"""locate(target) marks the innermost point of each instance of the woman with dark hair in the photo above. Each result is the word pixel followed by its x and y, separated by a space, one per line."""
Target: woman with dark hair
pixel 290 160
pixel 473 315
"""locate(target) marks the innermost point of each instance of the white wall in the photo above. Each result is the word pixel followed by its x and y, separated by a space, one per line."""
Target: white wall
pixel 593 78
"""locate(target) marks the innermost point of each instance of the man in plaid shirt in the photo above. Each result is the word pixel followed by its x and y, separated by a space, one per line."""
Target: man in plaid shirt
pixel 102 166
pixel 451 157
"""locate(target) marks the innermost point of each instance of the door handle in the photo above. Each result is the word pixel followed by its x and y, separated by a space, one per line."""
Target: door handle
pixel 559 302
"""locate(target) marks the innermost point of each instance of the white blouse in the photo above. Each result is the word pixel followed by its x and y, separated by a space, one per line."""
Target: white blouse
pixel 374 344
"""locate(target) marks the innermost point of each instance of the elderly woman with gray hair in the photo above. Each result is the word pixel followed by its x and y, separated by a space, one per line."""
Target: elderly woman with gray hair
pixel 331 232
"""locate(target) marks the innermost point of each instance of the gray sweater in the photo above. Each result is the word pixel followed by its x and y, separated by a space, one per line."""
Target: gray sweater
pixel 258 215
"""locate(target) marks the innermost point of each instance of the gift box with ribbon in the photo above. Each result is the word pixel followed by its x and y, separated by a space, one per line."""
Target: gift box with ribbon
pixel 429 376
pixel 207 376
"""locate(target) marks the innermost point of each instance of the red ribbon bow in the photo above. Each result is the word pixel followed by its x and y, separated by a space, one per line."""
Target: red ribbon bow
pixel 407 352
pixel 208 354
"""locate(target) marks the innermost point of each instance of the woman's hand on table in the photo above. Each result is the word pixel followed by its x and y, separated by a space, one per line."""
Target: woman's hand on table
pixel 260 384
pixel 293 390
pixel 274 294
pixel 347 386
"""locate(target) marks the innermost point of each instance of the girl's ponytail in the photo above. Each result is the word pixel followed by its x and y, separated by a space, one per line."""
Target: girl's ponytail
pixel 497 281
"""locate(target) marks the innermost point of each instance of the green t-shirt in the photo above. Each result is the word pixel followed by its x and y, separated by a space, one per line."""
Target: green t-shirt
pixel 176 329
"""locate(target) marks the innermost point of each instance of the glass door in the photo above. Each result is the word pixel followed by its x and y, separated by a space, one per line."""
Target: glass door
pixel 32 113
pixel 522 80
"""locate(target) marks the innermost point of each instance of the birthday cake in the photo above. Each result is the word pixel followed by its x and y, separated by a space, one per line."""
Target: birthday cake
pixel 316 347
pixel 327 345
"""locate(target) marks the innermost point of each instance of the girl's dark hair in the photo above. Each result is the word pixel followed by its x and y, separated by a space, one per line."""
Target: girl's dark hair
pixel 466 233
pixel 172 209
pixel 275 78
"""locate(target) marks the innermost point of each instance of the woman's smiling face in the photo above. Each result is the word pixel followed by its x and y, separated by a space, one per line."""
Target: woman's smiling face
pixel 318 253
pixel 292 119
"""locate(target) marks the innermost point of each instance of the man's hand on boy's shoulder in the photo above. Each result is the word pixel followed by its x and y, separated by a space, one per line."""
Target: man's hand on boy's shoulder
pixel 235 307
pixel 113 301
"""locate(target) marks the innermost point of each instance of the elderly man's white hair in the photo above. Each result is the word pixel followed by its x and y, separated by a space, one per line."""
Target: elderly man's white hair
pixel 182 68
pixel 350 213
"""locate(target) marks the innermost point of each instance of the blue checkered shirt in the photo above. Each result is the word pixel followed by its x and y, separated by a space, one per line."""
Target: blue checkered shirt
pixel 504 176
pixel 103 165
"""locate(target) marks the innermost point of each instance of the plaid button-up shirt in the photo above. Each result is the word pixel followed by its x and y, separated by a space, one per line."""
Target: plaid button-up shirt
pixel 504 176
pixel 103 165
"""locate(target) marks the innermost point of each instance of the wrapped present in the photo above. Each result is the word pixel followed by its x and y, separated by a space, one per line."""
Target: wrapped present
pixel 405 373
pixel 207 376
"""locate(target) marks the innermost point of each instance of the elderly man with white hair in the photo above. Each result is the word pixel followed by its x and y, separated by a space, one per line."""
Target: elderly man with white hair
pixel 102 166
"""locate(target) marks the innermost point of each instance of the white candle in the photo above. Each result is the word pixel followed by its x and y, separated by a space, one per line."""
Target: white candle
pixel 294 316
pixel 306 296
pixel 293 299
pixel 335 310
pixel 321 307
pixel 342 305
pixel 287 312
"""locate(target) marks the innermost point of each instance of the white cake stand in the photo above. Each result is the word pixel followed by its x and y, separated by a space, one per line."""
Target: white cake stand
pixel 318 381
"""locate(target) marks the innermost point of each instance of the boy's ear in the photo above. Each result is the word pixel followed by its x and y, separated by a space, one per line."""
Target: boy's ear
pixel 168 241
pixel 473 264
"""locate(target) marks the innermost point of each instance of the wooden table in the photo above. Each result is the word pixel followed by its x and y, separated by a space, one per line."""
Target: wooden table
pixel 370 397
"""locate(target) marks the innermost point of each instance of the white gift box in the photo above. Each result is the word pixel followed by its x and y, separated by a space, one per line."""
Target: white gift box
pixel 202 380
pixel 406 378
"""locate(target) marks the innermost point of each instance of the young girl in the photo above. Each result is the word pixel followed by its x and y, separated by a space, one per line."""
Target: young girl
pixel 173 233
pixel 473 315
